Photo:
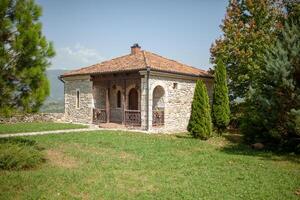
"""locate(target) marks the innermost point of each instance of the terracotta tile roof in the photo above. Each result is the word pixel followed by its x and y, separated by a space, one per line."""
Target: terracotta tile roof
pixel 139 61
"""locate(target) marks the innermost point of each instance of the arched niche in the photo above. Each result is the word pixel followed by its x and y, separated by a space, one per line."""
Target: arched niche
pixel 133 99
pixel 158 106
pixel 158 98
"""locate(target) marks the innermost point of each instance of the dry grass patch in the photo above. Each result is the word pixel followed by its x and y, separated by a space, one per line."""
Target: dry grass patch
pixel 218 142
pixel 127 156
pixel 59 159
pixel 134 182
pixel 102 151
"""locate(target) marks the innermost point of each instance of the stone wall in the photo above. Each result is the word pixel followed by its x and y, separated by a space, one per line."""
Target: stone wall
pixel 99 92
pixel 143 103
pixel 37 117
pixel 83 113
pixel 177 99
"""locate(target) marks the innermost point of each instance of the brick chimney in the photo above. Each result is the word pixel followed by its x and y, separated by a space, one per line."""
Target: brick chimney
pixel 135 48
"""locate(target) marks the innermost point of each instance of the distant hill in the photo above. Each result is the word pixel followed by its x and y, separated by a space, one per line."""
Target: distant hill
pixel 56 86
pixel 55 101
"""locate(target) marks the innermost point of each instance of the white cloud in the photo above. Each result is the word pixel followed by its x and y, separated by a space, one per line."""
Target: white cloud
pixel 75 57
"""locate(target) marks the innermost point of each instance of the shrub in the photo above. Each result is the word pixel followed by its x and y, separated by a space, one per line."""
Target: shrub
pixel 200 125
pixel 18 153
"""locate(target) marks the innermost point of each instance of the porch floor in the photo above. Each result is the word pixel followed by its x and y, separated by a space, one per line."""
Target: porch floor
pixel 112 125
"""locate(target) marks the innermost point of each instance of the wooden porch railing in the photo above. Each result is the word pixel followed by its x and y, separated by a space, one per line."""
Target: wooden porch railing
pixel 132 117
pixel 158 118
pixel 99 115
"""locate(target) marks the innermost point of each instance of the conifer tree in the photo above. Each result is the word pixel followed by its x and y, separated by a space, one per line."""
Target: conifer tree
pixel 24 57
pixel 220 107
pixel 200 124
pixel 273 110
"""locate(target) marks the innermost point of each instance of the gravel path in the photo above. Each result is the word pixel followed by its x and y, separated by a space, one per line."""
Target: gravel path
pixel 49 132
pixel 91 128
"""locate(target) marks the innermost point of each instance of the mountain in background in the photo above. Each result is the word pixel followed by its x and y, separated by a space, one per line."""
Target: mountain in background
pixel 55 101
pixel 56 86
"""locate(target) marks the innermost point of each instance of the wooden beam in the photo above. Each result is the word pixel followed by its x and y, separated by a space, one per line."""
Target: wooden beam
pixel 107 103
pixel 109 78
pixel 124 100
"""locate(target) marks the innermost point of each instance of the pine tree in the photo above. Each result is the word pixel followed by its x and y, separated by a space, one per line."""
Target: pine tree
pixel 273 110
pixel 220 107
pixel 200 125
pixel 24 54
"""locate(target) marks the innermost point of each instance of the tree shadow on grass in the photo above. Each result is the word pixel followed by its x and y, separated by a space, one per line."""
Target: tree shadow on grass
pixel 184 136
pixel 237 147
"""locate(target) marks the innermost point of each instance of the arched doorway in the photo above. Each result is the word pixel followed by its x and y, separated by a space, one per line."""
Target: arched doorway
pixel 158 106
pixel 133 99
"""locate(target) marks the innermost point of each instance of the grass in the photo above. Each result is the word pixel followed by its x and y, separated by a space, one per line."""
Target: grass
pixel 122 165
pixel 37 126
pixel 19 153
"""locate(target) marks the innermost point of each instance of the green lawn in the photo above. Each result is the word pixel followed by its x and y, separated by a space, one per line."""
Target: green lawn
pixel 37 126
pixel 120 165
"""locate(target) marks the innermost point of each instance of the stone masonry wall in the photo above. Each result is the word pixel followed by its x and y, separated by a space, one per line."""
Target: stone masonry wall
pixel 99 93
pixel 84 113
pixel 177 101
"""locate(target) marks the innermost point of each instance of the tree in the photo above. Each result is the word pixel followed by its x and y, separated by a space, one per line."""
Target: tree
pixel 220 107
pixel 249 28
pixel 273 109
pixel 200 124
pixel 24 54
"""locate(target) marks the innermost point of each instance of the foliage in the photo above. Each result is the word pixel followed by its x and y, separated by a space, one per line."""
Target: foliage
pixel 250 26
pixel 24 54
pixel 220 107
pixel 37 126
pixel 200 124
pixel 273 111
pixel 18 153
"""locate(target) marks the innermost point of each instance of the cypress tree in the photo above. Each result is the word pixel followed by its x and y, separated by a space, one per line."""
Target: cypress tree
pixel 220 107
pixel 200 125
pixel 24 57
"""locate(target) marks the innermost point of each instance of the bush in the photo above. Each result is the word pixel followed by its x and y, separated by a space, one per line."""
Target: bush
pixel 200 125
pixel 18 153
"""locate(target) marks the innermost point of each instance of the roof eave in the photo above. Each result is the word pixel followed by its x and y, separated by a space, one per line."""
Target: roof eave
pixel 181 73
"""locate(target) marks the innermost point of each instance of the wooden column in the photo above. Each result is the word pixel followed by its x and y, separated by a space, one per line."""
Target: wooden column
pixel 124 100
pixel 107 103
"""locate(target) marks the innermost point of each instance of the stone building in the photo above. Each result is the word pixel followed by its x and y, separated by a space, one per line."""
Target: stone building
pixel 141 90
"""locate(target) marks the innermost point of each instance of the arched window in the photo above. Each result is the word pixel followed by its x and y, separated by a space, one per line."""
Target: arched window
pixel 119 99
pixel 158 98
pixel 133 99
pixel 158 106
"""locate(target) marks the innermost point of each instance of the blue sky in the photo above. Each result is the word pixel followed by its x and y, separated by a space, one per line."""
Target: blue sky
pixel 91 31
